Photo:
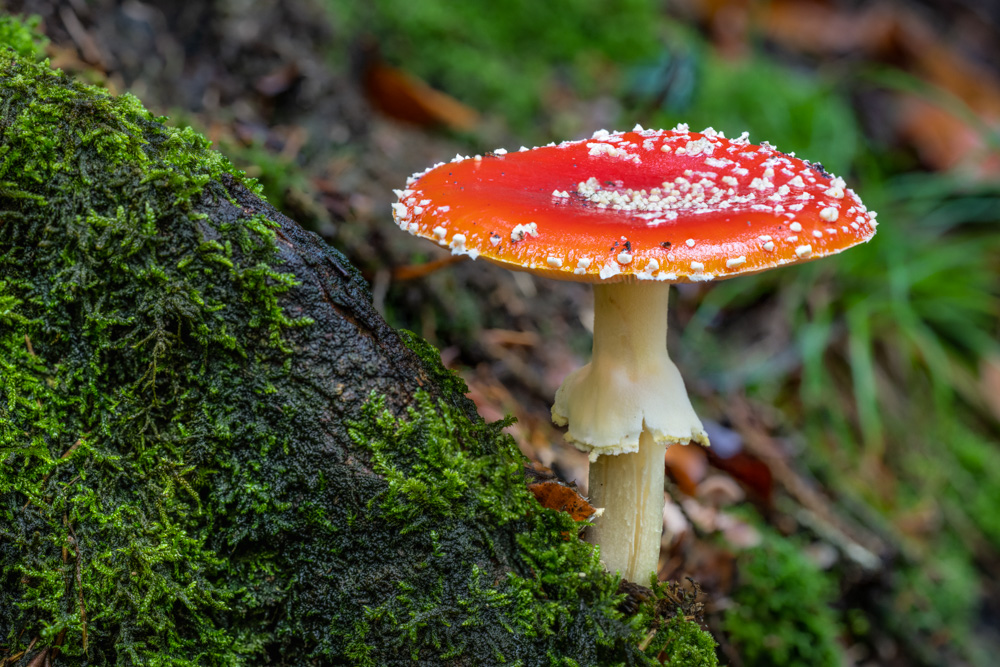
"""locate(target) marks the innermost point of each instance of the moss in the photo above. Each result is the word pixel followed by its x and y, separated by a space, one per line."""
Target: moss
pixel 22 36
pixel 673 636
pixel 448 476
pixel 781 613
pixel 195 470
pixel 556 604
pixel 685 643
pixel 109 353
pixel 431 359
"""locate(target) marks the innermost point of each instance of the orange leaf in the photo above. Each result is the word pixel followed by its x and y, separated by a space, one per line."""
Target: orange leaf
pixel 558 496
pixel 687 465
pixel 402 96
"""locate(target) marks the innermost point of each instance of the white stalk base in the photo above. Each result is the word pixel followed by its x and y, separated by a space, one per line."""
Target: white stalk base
pixel 630 489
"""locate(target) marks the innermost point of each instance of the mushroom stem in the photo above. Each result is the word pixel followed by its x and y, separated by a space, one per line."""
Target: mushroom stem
pixel 630 489
pixel 630 336
pixel 625 407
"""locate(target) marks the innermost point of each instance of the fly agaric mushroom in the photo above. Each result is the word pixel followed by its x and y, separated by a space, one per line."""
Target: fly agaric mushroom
pixel 632 213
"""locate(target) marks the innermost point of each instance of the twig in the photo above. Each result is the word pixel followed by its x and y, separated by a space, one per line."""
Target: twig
pixel 88 47
pixel 412 271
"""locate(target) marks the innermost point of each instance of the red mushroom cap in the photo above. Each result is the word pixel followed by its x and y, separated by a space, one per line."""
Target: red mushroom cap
pixel 669 205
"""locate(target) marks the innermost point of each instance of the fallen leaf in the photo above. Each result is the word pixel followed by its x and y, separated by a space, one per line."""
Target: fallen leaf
pixel 555 494
pixel 687 466
pixel 750 471
pixel 402 96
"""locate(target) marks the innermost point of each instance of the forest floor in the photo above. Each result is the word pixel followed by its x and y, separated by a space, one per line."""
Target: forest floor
pixel 894 565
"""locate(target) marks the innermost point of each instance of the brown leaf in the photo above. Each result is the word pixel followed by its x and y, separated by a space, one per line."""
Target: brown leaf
pixel 557 495
pixel 686 465
pixel 749 471
pixel 818 28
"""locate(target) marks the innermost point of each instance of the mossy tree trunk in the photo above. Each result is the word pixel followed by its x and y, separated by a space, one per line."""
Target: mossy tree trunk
pixel 213 451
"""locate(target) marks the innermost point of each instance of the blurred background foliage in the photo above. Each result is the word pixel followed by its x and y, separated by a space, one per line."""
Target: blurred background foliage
pixel 506 58
pixel 854 402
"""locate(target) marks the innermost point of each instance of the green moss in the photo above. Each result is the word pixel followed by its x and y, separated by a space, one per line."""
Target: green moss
pixel 104 356
pixel 781 613
pixel 431 359
pixel 445 471
pixel 178 483
pixel 671 636
pixel 23 36
pixel 685 643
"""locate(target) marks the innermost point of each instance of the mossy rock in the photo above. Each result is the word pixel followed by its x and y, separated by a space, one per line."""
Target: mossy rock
pixel 213 451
